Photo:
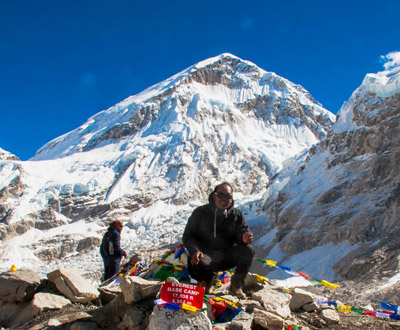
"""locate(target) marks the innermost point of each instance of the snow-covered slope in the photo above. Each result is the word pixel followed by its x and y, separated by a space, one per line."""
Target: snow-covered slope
pixel 338 216
pixel 150 159
pixel 5 155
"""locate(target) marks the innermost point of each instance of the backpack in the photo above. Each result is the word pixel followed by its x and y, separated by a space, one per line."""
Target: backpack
pixel 107 246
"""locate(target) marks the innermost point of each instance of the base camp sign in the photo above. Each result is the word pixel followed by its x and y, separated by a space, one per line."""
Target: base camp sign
pixel 180 293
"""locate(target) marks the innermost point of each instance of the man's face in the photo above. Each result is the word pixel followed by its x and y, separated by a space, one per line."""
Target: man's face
pixel 223 197
pixel 119 227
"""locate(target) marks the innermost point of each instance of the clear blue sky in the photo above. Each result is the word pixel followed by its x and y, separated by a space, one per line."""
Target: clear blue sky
pixel 62 61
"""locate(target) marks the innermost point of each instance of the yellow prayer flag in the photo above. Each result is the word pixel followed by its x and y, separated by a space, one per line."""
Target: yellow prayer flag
pixel 228 301
pixel 270 263
pixel 329 285
pixel 189 308
pixel 344 308
pixel 261 278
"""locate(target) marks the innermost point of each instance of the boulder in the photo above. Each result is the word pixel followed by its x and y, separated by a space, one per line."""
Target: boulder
pixel 84 325
pixel 300 298
pixel 268 320
pixel 311 307
pixel 135 288
pixel 164 319
pixel 132 319
pixel 249 305
pixel 273 301
pixel 73 286
pixel 67 318
pixel 108 293
pixel 11 312
pixel 330 315
pixel 46 301
pixel 16 314
pixel 242 321
pixel 18 286
pixel 254 280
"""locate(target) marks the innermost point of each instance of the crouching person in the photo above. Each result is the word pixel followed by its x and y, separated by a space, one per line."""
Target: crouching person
pixel 218 238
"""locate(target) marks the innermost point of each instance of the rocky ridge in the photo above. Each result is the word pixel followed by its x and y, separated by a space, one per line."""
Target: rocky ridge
pixel 356 207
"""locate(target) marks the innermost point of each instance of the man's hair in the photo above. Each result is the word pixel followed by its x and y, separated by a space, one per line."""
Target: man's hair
pixel 115 223
pixel 222 184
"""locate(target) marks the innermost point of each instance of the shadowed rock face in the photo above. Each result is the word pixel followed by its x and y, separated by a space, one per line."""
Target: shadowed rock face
pixel 359 203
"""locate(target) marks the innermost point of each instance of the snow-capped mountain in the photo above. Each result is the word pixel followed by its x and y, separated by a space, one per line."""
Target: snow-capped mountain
pixel 5 155
pixel 150 159
pixel 337 215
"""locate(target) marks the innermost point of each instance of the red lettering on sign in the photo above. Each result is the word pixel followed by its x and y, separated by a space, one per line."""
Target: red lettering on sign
pixel 179 293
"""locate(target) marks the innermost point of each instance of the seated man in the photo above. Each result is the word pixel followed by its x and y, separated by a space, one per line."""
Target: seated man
pixel 218 238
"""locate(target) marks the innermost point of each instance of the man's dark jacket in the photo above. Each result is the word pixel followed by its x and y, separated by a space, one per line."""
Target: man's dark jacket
pixel 112 236
pixel 210 228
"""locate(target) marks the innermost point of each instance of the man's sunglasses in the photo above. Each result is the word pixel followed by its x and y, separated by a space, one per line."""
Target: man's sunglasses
pixel 222 195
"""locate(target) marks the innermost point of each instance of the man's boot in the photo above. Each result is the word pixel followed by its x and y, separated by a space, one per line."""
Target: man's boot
pixel 236 287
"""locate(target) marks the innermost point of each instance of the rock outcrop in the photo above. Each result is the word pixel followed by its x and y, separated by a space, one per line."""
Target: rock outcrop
pixel 345 199
pixel 24 295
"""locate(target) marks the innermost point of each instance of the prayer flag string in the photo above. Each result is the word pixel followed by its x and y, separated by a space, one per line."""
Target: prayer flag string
pixel 346 309
pixel 294 273
pixel 175 306
pixel 144 269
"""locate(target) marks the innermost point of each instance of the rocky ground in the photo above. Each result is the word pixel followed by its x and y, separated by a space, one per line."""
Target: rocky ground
pixel 349 293
pixel 110 314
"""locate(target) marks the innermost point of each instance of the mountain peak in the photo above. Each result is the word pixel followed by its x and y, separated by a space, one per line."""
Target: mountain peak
pixel 152 157
pixel 224 57
pixel 383 84
pixel 224 81
pixel 5 155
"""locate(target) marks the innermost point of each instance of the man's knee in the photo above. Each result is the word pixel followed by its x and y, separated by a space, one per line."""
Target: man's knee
pixel 251 249
pixel 247 251
pixel 201 271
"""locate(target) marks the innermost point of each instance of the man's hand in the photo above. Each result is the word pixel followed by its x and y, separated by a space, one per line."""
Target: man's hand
pixel 247 237
pixel 196 258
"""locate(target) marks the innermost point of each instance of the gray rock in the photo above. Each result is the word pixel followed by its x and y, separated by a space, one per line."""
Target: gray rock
pixel 18 286
pixel 108 293
pixel 11 314
pixel 268 320
pixel 249 305
pixel 242 321
pixel 67 318
pixel 253 280
pixel 71 284
pixel 46 301
pixel 300 298
pixel 135 288
pixel 311 307
pixel 81 325
pixel 132 319
pixel 164 319
pixel 273 301
pixel 330 315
